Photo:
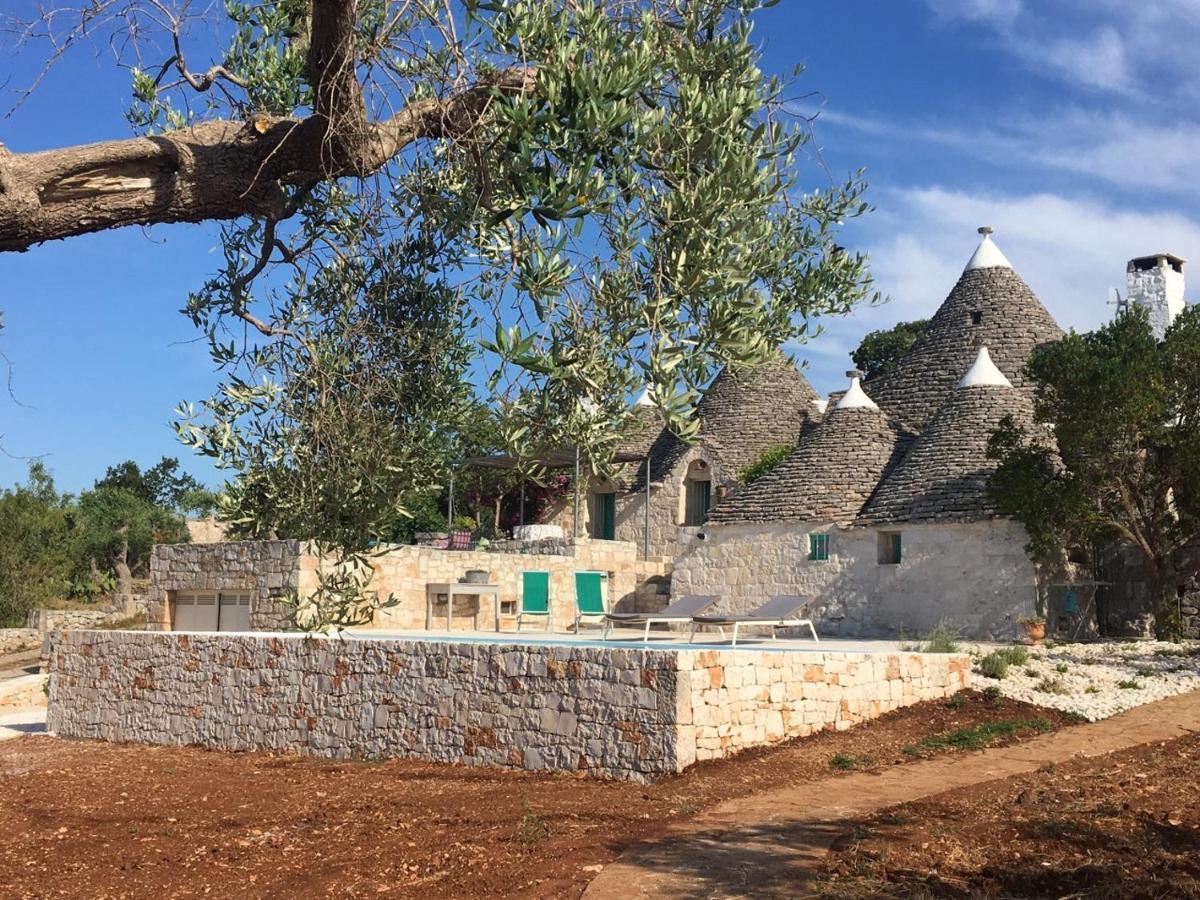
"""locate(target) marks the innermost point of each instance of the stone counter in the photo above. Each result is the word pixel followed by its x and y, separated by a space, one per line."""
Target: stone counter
pixel 618 712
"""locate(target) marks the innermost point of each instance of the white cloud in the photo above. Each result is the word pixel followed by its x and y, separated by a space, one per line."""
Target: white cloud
pixel 1111 146
pixel 1069 250
pixel 1132 47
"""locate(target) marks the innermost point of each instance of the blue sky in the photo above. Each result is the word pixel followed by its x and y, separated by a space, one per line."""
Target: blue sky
pixel 1070 126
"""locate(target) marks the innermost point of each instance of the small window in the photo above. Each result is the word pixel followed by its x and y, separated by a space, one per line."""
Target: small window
pixel 818 547
pixel 699 496
pixel 889 548
pixel 976 317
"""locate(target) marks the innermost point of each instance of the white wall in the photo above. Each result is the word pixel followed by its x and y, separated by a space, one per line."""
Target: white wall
pixel 973 576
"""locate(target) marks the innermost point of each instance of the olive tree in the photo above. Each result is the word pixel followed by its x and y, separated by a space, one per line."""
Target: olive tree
pixel 546 204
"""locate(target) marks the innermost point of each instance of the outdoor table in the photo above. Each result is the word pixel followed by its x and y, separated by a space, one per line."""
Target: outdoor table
pixel 459 589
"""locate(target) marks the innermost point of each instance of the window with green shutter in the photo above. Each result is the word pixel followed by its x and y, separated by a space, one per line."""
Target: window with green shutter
pixel 818 547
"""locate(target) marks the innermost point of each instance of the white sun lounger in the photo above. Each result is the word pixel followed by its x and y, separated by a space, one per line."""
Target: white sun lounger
pixel 682 610
pixel 776 613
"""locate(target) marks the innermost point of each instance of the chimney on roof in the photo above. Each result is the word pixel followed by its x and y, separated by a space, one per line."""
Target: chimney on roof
pixel 1155 283
pixel 987 255
pixel 855 397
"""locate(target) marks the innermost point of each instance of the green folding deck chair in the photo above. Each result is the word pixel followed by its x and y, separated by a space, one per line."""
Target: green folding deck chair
pixel 589 598
pixel 535 598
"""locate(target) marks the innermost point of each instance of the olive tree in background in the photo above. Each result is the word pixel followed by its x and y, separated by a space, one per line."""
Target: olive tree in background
pixel 559 202
pixel 1124 460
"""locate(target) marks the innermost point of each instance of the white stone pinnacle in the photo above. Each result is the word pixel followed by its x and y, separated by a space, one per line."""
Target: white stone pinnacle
pixel 644 398
pixel 983 373
pixel 987 255
pixel 856 397
pixel 821 405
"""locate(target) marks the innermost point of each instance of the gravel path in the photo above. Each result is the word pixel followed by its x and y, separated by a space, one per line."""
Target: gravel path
pixel 1100 680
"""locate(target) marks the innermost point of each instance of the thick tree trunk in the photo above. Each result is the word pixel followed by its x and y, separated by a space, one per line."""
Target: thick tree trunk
pixel 1164 599
pixel 221 169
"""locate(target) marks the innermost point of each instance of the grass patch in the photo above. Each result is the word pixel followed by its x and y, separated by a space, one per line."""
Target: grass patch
pixel 1052 686
pixel 1031 672
pixel 532 829
pixel 1016 656
pixel 1062 668
pixel 1129 685
pixel 976 737
pixel 1143 672
pixel 958 701
pixel 844 762
pixel 1090 661
pixel 1091 689
pixel 991 693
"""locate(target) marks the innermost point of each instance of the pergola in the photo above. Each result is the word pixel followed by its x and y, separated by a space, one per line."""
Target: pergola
pixel 554 459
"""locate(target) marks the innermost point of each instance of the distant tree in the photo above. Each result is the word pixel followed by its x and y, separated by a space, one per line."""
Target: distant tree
pixel 1124 459
pixel 34 535
pixel 162 485
pixel 115 530
pixel 879 351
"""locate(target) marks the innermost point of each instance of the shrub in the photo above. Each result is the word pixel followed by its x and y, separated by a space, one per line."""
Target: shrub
pixel 991 693
pixel 1052 686
pixel 942 639
pixel 957 701
pixel 994 665
pixel 1062 668
pixel 1129 685
pixel 764 463
pixel 1016 656
pixel 1031 672
pixel 1143 672
pixel 844 762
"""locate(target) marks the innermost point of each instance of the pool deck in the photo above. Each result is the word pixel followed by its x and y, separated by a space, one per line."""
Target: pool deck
pixel 631 639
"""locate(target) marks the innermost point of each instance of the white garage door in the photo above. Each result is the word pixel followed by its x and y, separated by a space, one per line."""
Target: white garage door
pixel 210 611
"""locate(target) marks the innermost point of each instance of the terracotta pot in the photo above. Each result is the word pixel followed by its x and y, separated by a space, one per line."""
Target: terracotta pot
pixel 1035 632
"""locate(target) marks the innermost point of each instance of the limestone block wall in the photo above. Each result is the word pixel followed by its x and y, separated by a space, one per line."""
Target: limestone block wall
pixel 738 699
pixel 404 572
pixel 610 712
pixel 270 570
pixel 14 640
pixel 975 577
pixel 603 711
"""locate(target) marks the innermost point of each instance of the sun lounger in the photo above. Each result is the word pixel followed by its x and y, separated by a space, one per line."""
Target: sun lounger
pixel 776 613
pixel 682 610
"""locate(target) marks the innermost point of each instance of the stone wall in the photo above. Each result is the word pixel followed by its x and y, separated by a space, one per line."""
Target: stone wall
pixel 738 699
pixel 611 712
pixel 44 620
pixel 14 640
pixel 271 570
pixel 974 577
pixel 607 712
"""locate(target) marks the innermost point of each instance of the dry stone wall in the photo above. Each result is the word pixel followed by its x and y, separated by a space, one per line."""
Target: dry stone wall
pixel 607 712
pixel 616 712
pixel 14 640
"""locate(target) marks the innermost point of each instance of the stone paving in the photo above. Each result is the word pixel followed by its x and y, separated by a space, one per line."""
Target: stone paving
pixel 767 844
pixel 20 722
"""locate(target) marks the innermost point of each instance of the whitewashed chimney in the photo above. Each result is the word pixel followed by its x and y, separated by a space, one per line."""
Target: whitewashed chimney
pixel 1156 284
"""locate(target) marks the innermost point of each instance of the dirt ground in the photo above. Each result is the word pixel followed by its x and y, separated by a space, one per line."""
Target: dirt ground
pixel 1124 825
pixel 102 820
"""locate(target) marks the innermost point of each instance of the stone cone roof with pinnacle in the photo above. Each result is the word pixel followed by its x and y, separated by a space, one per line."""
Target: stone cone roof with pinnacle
pixel 990 305
pixel 741 416
pixel 828 477
pixel 943 477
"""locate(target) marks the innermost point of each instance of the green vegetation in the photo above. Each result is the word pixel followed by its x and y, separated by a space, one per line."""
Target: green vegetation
pixel 943 639
pixel 1143 672
pixel 1124 461
pixel 844 762
pixel 56 546
pixel 976 737
pixel 766 461
pixel 1052 686
pixel 996 663
pixel 1062 668
pixel 880 351
pixel 1129 685
pixel 991 693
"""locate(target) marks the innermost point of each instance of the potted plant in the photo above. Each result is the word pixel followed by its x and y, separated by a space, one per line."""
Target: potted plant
pixel 1034 628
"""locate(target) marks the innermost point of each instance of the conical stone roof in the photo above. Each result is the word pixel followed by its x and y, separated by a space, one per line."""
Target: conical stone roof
pixel 990 305
pixel 944 476
pixel 741 416
pixel 828 477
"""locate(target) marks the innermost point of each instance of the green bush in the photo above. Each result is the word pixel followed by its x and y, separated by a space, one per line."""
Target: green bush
pixel 764 463
pixel 994 665
pixel 942 639
pixel 1016 656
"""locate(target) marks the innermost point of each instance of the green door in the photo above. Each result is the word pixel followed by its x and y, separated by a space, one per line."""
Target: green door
pixel 604 517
